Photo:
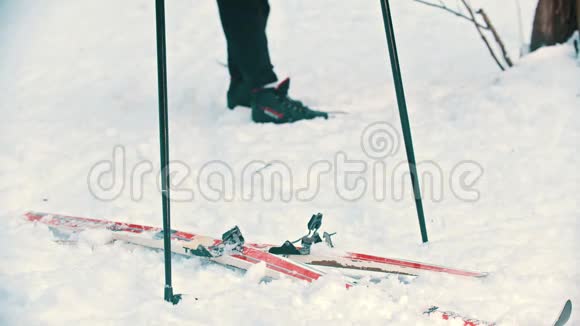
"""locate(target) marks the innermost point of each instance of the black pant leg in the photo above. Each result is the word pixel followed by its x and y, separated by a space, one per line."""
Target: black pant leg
pixel 244 24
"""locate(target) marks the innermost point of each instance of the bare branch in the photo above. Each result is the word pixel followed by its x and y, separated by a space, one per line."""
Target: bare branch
pixel 470 11
pixel 442 5
pixel 506 56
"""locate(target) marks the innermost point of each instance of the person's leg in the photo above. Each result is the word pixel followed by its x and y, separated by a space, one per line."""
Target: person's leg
pixel 235 73
pixel 244 24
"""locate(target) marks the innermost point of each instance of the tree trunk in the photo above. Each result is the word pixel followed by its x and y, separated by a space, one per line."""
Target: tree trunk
pixel 555 22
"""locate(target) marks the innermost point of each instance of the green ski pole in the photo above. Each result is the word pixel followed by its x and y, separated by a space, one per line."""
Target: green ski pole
pixel 164 148
pixel 403 115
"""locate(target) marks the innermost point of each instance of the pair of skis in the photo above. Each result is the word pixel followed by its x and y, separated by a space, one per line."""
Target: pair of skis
pixel 199 245
pixel 288 260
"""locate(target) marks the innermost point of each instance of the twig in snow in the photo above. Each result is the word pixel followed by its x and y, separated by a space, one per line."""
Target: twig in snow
pixel 506 56
pixel 477 27
pixel 269 164
pixel 442 5
pixel 488 26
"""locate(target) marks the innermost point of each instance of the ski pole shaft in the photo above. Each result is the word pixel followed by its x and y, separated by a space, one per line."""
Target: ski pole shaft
pixel 164 146
pixel 402 104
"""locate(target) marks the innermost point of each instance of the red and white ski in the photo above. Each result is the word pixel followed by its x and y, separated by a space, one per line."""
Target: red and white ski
pixel 438 313
pixel 331 257
pixel 453 316
pixel 183 243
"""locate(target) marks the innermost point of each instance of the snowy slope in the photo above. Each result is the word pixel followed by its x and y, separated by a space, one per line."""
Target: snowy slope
pixel 78 78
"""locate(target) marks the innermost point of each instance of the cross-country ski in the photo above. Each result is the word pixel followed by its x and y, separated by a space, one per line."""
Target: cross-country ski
pixel 271 162
pixel 564 314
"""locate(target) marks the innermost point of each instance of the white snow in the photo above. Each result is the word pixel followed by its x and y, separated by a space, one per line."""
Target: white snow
pixel 78 78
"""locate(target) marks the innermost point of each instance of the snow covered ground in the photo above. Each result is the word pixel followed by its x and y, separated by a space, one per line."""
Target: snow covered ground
pixel 78 79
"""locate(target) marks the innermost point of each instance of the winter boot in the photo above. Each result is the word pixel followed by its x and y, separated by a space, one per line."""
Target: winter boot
pixel 272 104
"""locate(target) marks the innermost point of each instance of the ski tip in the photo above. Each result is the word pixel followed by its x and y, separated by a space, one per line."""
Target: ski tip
pixel 565 314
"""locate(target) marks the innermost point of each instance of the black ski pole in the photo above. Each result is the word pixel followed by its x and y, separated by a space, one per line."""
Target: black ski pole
pixel 403 114
pixel 164 147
